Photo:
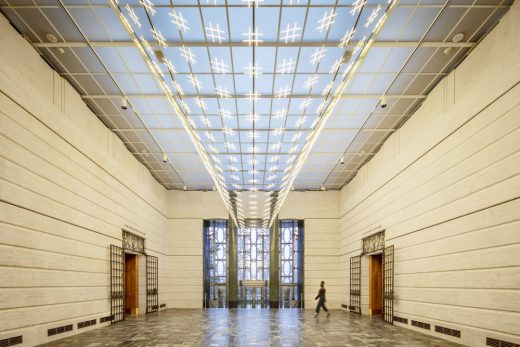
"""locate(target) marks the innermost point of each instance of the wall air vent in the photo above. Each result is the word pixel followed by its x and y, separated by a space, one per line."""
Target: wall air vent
pixel 400 320
pixel 447 331
pixel 498 343
pixel 87 323
pixel 421 325
pixel 16 340
pixel 162 305
pixel 59 330
pixel 105 319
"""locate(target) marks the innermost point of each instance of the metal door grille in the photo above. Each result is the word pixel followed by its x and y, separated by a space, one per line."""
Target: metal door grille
pixel 117 284
pixel 355 284
pixel 388 284
pixel 152 284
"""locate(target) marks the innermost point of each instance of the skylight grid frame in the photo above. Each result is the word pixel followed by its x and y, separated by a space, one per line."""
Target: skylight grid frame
pixel 272 93
pixel 304 26
pixel 213 70
pixel 289 180
pixel 172 76
pixel 404 28
pixel 333 11
pixel 135 145
pixel 438 76
pixel 206 158
pixel 95 53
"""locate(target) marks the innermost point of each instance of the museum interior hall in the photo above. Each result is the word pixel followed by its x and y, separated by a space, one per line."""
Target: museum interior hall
pixel 260 173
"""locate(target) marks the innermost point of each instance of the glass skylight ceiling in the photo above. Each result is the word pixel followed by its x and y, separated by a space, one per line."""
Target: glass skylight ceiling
pixel 248 105
pixel 235 93
pixel 252 80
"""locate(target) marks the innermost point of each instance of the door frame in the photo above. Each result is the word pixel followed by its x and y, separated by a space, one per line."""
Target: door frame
pixel 370 287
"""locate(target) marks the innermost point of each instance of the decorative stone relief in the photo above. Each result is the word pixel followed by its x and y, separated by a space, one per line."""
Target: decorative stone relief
pixel 374 242
pixel 133 242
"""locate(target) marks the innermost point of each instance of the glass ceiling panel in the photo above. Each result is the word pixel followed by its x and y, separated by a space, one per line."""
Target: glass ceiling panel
pixel 251 81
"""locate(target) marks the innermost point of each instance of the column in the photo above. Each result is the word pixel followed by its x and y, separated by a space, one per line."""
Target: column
pixel 274 267
pixel 232 275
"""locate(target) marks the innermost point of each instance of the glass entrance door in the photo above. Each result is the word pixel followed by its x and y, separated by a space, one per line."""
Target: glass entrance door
pixel 253 265
pixel 291 264
pixel 215 263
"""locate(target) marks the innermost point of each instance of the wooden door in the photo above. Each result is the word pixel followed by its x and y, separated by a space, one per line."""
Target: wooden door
pixel 131 288
pixel 376 284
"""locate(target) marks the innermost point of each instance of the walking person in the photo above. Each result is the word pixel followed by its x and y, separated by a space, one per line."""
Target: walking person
pixel 321 300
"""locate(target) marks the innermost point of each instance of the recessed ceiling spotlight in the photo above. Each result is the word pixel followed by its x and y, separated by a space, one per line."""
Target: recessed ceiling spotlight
pixel 347 56
pixel 457 37
pixel 447 50
pixel 322 188
pixel 159 55
pixel 51 38
pixel 383 101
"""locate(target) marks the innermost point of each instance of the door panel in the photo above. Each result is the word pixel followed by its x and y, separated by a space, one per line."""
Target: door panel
pixel 376 284
pixel 117 283
pixel 355 284
pixel 131 288
pixel 152 284
pixel 388 284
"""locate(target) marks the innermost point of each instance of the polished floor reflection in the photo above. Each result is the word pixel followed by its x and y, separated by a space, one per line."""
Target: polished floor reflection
pixel 251 327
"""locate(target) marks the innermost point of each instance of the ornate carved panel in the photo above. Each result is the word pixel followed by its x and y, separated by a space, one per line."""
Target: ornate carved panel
pixel 132 242
pixel 374 242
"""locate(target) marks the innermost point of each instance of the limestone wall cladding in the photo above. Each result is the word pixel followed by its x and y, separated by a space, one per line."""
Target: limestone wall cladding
pixel 319 210
pixel 187 211
pixel 68 186
pixel 446 188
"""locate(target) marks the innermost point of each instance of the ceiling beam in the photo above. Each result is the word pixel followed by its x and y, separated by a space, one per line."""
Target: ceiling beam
pixel 244 153
pixel 256 129
pixel 241 96
pixel 245 44
pixel 245 5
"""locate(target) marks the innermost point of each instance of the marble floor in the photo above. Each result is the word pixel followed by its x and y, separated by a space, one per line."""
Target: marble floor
pixel 251 327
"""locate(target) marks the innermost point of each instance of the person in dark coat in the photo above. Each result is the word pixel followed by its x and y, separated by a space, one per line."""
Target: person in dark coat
pixel 321 300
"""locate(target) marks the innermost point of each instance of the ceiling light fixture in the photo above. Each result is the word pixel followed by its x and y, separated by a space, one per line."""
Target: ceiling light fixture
pixel 383 101
pixel 363 47
pixel 178 19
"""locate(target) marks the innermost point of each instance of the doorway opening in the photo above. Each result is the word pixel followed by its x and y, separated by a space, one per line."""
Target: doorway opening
pixel 376 284
pixel 131 285
pixel 253 265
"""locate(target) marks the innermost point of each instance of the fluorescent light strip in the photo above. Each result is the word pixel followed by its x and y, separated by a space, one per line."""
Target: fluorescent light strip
pixel 218 179
pixel 300 160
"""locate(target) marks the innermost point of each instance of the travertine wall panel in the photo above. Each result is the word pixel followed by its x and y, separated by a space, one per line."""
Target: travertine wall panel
pixel 68 186
pixel 446 190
